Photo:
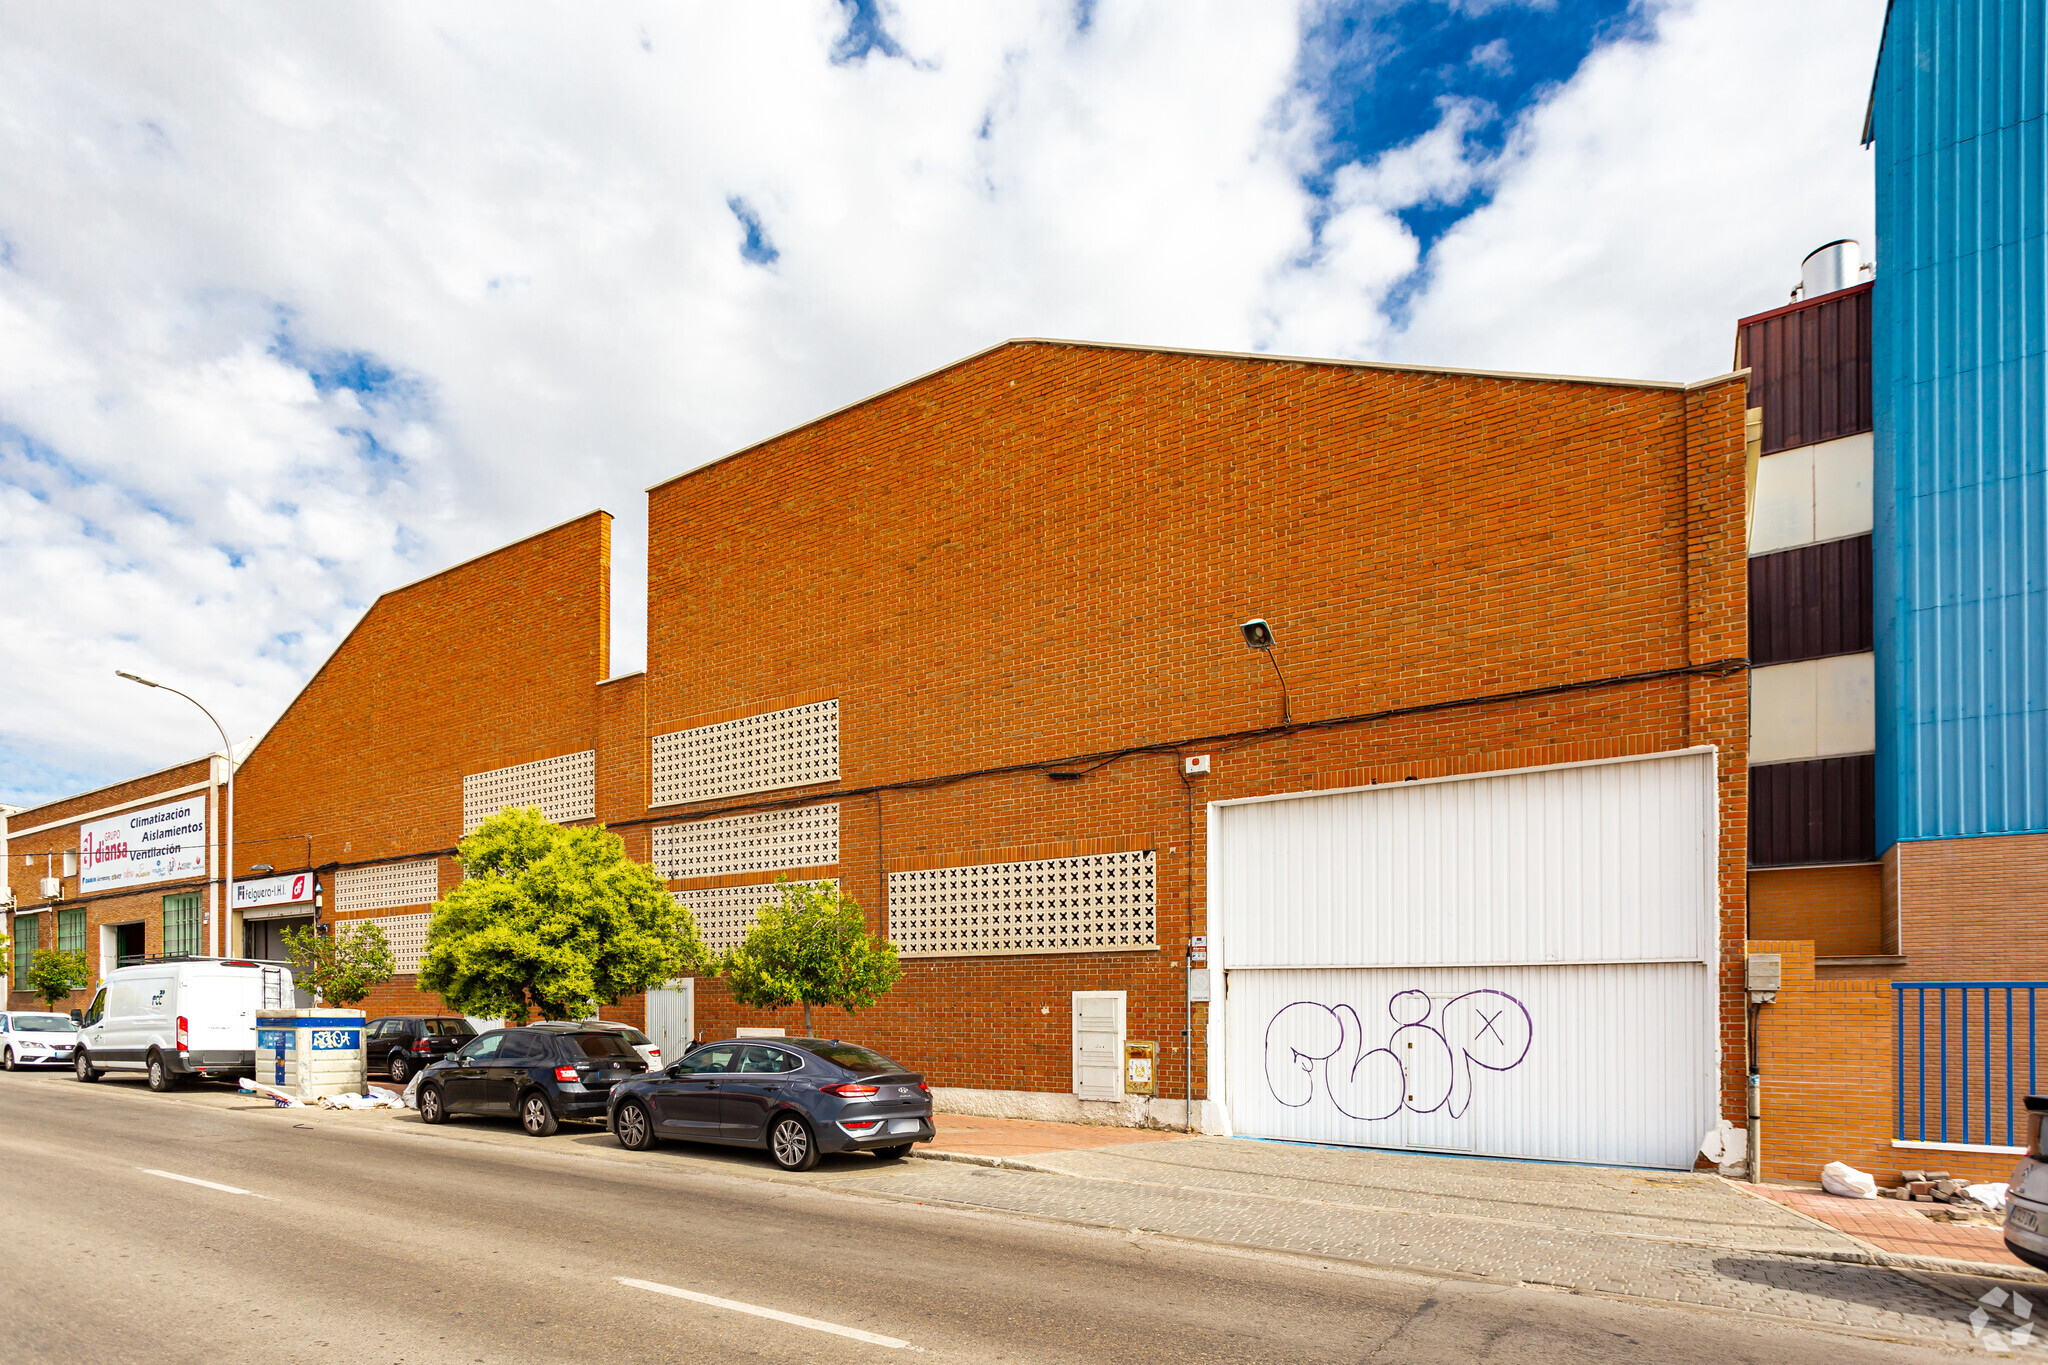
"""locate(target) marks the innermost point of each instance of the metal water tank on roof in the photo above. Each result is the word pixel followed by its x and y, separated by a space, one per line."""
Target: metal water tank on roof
pixel 1831 268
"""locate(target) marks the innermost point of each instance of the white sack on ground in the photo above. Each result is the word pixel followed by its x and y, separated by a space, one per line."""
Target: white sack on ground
pixel 1990 1196
pixel 1839 1177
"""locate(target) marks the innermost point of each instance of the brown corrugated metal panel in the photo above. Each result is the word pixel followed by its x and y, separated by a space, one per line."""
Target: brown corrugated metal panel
pixel 1809 368
pixel 1810 602
pixel 1823 810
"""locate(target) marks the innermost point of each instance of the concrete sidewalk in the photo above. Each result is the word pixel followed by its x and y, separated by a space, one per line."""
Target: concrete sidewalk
pixel 1908 1229
pixel 1666 1237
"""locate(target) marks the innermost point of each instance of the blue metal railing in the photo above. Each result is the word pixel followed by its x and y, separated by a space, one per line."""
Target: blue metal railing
pixel 1989 1027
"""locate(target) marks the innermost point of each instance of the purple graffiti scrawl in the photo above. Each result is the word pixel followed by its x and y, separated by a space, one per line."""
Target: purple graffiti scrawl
pixel 1423 1067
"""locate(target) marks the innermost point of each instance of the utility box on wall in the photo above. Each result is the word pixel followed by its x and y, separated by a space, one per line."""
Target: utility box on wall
pixel 311 1052
pixel 1141 1067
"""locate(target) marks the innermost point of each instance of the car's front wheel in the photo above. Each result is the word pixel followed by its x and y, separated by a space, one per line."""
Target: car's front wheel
pixel 399 1068
pixel 633 1126
pixel 8 1060
pixel 537 1116
pixel 83 1065
pixel 432 1108
pixel 791 1144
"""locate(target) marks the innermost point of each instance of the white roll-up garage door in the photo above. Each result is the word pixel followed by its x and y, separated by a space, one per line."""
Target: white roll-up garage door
pixel 1513 964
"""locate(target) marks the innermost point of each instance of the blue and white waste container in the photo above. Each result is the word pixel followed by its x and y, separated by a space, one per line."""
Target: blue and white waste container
pixel 311 1052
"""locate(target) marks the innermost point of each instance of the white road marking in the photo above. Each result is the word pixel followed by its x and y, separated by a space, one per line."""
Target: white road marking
pixel 195 1180
pixel 792 1319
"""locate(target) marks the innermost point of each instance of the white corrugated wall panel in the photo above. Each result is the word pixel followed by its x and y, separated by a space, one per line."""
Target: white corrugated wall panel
pixel 1609 862
pixel 1581 900
pixel 1607 1063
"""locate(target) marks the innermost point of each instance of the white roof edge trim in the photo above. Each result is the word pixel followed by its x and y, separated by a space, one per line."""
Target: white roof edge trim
pixel 114 809
pixel 1386 366
pixel 1466 777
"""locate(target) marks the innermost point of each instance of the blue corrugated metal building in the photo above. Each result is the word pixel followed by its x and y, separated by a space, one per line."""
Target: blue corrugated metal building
pixel 1960 333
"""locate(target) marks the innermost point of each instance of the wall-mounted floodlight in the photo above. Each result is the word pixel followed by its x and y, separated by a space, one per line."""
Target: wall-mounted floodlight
pixel 261 867
pixel 1258 635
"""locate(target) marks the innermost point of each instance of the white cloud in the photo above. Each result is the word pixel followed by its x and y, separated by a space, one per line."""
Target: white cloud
pixel 525 218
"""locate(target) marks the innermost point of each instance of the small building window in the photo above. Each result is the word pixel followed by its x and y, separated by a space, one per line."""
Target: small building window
pixel 181 925
pixel 27 929
pixel 71 931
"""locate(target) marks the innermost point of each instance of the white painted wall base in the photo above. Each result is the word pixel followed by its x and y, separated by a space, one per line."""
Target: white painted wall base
pixel 1133 1111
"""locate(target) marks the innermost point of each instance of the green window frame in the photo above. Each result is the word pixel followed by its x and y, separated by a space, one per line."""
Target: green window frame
pixel 181 925
pixel 71 931
pixel 27 932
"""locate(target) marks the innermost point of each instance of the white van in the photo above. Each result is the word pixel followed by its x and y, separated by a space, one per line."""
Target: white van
pixel 193 1016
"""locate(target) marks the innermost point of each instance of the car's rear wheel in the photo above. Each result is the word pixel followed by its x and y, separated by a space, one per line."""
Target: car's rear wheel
pixel 398 1067
pixel 537 1116
pixel 159 1074
pixel 633 1126
pixel 893 1153
pixel 791 1145
pixel 432 1108
pixel 83 1065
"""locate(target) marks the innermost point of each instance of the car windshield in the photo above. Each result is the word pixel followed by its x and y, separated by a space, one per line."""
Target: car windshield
pixel 603 1045
pixel 449 1028
pixel 43 1023
pixel 853 1057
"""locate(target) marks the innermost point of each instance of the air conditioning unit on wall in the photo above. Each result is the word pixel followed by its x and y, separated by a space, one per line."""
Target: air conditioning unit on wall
pixel 51 888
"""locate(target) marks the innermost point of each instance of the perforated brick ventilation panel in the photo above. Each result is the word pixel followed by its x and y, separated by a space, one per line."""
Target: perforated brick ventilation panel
pixel 564 787
pixel 725 913
pixel 407 935
pixel 1097 903
pixel 793 747
pixel 387 886
pixel 760 841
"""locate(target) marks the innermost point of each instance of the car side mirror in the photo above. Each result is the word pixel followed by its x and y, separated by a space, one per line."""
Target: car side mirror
pixel 673 1070
pixel 78 1016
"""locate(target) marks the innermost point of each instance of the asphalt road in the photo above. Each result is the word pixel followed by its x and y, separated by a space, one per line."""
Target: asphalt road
pixel 360 1237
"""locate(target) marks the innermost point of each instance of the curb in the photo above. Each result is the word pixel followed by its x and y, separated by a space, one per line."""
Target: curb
pixel 998 1163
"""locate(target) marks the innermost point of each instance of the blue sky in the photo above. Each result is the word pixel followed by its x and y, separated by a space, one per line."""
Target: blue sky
pixel 297 306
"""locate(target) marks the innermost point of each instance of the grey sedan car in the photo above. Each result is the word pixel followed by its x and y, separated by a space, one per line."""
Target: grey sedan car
pixel 796 1097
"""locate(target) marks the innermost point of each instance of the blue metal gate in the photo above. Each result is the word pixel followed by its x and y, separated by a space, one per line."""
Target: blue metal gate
pixel 1966 1057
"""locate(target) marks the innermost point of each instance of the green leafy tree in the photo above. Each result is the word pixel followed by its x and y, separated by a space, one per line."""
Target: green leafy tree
pixel 54 975
pixel 811 947
pixel 549 919
pixel 341 967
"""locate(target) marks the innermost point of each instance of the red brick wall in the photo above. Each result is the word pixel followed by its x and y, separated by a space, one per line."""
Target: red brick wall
pixel 1974 909
pixel 491 663
pixel 1826 1049
pixel 28 854
pixel 1838 909
pixel 1045 551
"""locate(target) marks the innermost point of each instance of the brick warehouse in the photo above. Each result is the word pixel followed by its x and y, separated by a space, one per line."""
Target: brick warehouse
pixel 961 635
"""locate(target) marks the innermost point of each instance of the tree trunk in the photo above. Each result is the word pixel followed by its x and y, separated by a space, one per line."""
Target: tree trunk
pixel 807 1018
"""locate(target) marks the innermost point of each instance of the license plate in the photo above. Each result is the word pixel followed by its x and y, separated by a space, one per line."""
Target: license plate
pixel 903 1125
pixel 2023 1218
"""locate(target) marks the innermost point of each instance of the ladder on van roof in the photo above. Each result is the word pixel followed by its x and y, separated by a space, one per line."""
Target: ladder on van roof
pixel 276 995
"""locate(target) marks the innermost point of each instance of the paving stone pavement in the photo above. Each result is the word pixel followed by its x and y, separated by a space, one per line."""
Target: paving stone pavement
pixel 1667 1237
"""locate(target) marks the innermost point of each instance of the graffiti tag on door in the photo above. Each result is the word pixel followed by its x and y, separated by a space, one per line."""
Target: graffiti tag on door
pixel 1426 1065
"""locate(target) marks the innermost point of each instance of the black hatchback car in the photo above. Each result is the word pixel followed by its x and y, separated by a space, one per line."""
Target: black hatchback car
pixel 797 1097
pixel 401 1046
pixel 542 1074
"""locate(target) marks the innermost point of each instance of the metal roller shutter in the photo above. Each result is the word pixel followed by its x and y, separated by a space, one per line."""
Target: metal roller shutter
pixel 1515 964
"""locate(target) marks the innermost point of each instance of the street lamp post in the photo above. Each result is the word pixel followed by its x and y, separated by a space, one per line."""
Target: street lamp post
pixel 218 935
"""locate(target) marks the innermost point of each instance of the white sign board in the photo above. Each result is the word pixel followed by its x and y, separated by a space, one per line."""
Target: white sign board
pixel 289 889
pixel 160 844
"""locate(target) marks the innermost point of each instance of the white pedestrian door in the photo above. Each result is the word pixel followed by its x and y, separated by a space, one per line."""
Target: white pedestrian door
pixel 1099 1045
pixel 1511 964
pixel 671 1017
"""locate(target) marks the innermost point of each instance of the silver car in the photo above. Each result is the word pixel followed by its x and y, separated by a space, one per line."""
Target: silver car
pixel 32 1039
pixel 2026 1196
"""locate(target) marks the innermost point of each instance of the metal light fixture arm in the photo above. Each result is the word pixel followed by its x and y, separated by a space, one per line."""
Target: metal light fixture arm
pixel 217 937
